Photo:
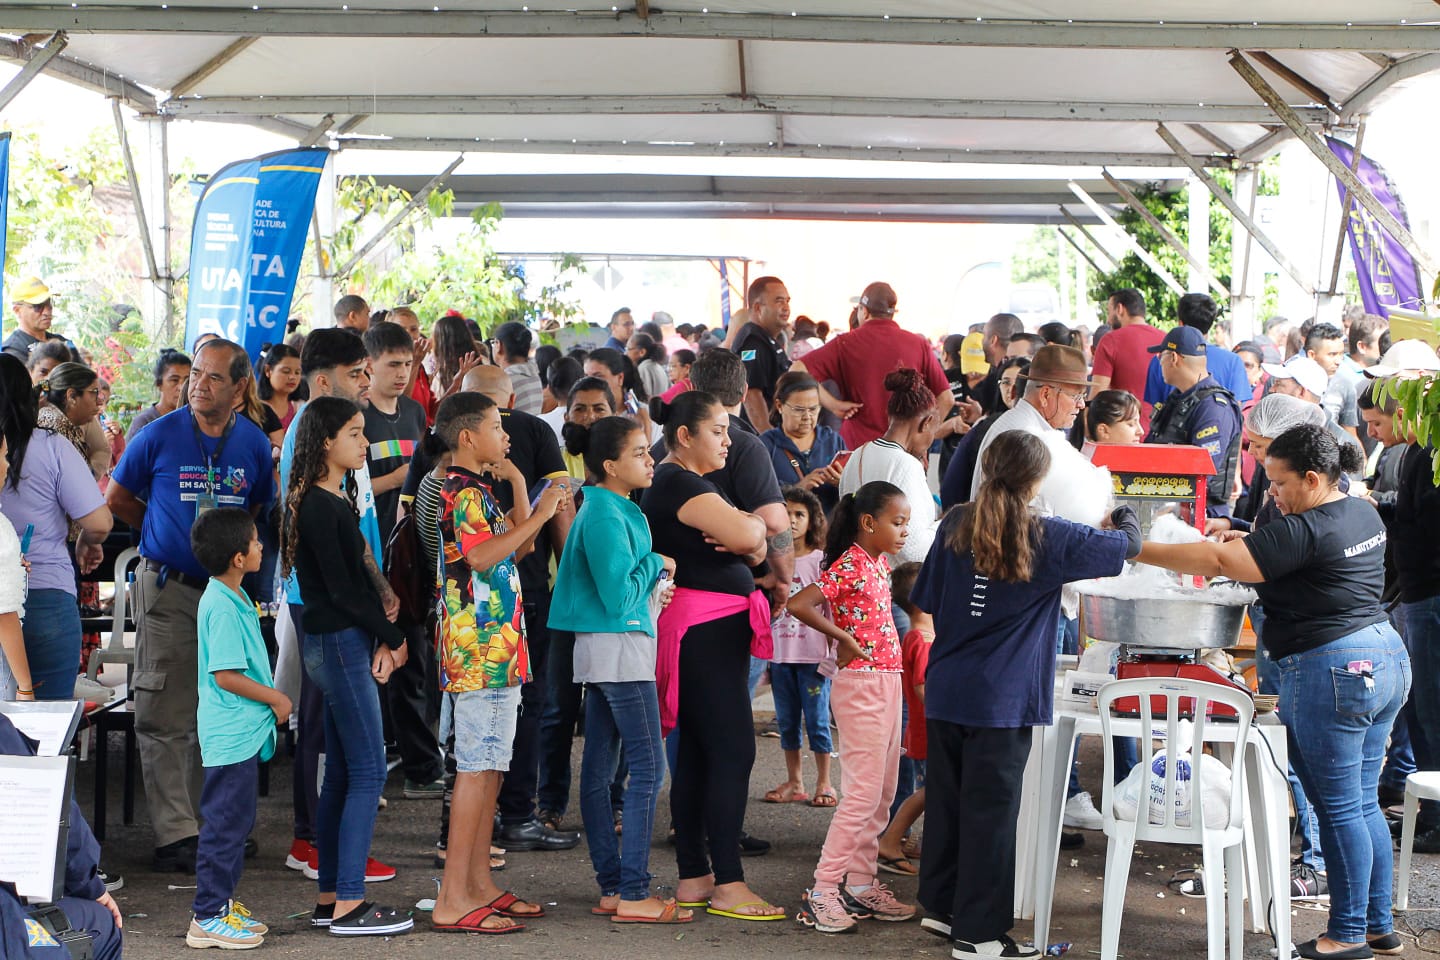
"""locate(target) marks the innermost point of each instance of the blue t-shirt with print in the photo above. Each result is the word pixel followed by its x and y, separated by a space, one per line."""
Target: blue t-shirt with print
pixel 232 728
pixel 168 465
pixel 364 500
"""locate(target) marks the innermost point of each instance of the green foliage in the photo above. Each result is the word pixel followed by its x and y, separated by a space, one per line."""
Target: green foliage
pixel 413 267
pixel 1036 258
pixel 1418 401
pixel 1171 209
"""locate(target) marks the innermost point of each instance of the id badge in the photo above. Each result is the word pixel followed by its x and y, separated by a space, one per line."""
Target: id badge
pixel 203 502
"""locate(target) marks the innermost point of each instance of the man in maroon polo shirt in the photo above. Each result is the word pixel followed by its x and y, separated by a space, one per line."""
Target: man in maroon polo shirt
pixel 859 361
pixel 1122 359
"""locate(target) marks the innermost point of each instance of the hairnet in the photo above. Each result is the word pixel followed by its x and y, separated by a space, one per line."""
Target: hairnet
pixel 1278 412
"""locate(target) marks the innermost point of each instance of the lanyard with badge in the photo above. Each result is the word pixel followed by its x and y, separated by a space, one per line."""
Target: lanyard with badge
pixel 208 500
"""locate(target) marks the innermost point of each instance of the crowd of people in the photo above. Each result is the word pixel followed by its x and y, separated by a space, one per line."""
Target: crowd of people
pixel 458 547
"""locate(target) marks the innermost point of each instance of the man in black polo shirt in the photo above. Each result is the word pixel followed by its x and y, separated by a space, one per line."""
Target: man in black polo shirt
pixel 758 344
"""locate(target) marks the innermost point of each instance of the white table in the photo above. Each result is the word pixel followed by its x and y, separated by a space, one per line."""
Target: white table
pixel 1267 821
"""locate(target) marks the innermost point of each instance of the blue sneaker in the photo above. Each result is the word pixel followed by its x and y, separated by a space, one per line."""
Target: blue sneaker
pixel 226 932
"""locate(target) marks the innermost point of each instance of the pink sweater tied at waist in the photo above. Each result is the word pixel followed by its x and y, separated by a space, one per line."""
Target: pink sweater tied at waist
pixel 687 608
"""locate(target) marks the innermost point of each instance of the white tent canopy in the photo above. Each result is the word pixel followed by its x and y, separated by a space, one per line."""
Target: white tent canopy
pixel 1079 83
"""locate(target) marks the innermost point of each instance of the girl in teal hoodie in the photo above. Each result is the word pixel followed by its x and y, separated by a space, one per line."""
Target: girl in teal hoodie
pixel 608 590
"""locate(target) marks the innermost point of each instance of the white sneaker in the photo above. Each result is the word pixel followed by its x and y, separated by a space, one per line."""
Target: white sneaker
pixel 1080 813
pixel 92 691
pixel 1004 947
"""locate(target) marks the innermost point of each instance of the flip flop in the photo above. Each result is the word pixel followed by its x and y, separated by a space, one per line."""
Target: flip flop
pixel 600 910
pixel 733 915
pixel 505 906
pixel 786 793
pixel 473 922
pixel 825 798
pixel 671 914
pixel 692 904
pixel 900 866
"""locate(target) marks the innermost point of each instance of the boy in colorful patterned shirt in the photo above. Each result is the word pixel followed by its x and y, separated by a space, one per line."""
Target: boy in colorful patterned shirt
pixel 483 655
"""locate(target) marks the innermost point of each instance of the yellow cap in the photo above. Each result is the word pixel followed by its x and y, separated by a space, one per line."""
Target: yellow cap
pixel 972 354
pixel 31 290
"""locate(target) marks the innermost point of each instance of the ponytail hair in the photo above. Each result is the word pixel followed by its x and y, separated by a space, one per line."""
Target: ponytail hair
pixel 1313 449
pixel 603 440
pixel 999 529
pixel 688 410
pixel 845 521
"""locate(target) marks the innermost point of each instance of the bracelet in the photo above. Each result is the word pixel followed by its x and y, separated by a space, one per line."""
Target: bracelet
pixel 30 691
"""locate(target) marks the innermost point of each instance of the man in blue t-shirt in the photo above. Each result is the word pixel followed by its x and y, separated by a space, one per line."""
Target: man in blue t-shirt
pixel 193 459
pixel 1198 310
pixel 335 364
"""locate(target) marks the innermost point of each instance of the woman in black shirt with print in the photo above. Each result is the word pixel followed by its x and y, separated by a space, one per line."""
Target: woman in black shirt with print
pixel 1319 571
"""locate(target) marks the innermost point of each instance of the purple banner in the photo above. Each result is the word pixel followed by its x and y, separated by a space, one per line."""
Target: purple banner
pixel 1387 273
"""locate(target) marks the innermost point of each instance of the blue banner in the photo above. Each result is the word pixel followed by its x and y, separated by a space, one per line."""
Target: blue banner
pixel 249 233
pixel 724 296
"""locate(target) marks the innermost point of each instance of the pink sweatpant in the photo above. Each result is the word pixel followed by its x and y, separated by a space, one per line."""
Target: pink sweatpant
pixel 867 712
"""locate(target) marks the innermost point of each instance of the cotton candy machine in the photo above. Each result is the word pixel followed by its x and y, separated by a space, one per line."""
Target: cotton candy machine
pixel 1162 626
pixel 1157 478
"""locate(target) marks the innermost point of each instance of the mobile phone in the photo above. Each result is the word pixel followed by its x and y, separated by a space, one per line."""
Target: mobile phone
pixel 841 458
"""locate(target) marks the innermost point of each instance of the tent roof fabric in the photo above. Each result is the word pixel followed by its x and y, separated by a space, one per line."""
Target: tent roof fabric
pixel 1073 83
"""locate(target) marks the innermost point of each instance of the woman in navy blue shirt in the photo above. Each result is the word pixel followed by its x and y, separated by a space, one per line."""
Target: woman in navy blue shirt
pixel 802 450
pixel 992 582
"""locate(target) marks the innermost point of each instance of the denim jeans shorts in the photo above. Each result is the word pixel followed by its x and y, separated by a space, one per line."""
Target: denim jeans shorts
pixel 484 723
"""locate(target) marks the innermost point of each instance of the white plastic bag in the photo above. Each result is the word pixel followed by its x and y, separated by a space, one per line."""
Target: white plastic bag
pixel 1214 790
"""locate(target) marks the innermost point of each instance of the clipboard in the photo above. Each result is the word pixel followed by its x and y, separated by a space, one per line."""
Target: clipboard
pixel 35 831
pixel 51 723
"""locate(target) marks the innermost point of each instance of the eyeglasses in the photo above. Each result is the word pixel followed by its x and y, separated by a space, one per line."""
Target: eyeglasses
pixel 1078 398
pixel 802 411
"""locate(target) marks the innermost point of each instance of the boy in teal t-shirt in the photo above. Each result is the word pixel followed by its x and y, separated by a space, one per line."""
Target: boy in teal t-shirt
pixel 238 710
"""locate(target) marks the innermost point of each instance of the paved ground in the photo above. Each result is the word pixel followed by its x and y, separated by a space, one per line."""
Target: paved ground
pixel 1159 923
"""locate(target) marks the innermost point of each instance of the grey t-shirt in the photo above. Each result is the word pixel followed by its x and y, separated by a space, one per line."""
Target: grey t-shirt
pixel 618 657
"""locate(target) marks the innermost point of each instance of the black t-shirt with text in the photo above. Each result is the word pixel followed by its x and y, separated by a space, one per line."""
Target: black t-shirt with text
pixel 1324 574
pixel 392 438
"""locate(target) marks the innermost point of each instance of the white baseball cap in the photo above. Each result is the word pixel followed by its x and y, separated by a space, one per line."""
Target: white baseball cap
pixel 1405 355
pixel 1303 371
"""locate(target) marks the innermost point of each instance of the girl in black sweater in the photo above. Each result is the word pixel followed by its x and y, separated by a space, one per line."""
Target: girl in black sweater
pixel 350 644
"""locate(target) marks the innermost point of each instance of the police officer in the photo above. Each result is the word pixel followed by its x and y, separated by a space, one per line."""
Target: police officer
pixel 1200 412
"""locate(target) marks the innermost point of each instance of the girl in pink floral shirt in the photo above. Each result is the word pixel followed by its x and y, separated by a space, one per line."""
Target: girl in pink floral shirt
pixel 865 698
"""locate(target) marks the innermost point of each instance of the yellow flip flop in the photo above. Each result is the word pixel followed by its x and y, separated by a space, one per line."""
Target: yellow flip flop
pixel 733 915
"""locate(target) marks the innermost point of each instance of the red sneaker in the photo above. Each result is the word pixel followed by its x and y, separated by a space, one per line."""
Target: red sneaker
pixel 375 871
pixel 301 851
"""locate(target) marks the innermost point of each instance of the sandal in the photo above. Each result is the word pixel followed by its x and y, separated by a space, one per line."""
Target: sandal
pixel 786 793
pixel 671 914
pixel 474 922
pixel 772 912
pixel 825 798
pixel 900 866
pixel 505 906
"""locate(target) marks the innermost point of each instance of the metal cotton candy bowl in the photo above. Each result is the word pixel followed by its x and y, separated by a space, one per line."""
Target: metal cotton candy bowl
pixel 1171 622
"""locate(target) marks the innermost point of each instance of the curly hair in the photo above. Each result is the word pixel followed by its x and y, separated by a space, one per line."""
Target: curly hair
pixel 322 420
pixel 909 397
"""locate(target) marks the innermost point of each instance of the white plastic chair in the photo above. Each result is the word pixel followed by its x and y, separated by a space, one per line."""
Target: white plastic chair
pixel 123 618
pixel 1222 848
pixel 1423 785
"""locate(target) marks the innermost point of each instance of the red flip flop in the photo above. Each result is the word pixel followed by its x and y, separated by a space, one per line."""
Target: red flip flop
pixel 505 903
pixel 474 922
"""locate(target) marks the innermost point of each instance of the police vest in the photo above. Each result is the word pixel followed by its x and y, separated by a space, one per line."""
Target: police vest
pixel 1170 425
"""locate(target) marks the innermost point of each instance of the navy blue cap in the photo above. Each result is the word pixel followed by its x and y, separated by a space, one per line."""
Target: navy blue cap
pixel 1186 341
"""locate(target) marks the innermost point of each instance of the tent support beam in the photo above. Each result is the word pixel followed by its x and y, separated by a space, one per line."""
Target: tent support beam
pixel 317 132
pixel 33 67
pixel 1155 266
pixel 1396 71
pixel 100 81
pixel 1243 218
pixel 1353 186
pixel 744 103
pixel 208 68
pixel 1081 250
pixel 1085 232
pixel 1345 213
pixel 419 198
pixel 936 31
pixel 1297 80
pixel 134 179
pixel 1200 130
pixel 779 149
pixel 1166 234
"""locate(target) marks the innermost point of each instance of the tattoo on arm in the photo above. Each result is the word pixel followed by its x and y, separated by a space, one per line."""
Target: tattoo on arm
pixel 376 577
pixel 782 542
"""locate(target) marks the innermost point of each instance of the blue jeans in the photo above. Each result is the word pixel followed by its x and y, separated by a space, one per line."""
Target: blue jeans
pixel 339 664
pixel 1337 722
pixel 757 670
pixel 1267 672
pixel 227 813
pixel 52 643
pixel 799 690
pixel 1422 637
pixel 626 715
pixel 1400 756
